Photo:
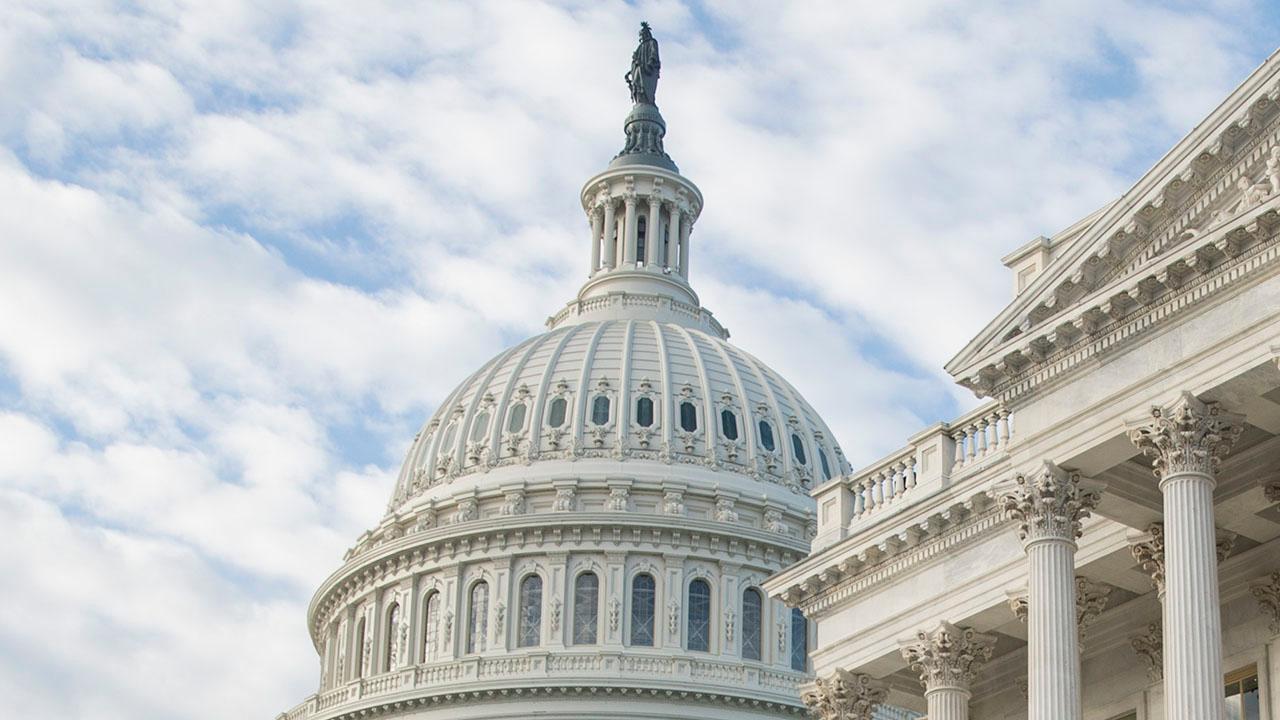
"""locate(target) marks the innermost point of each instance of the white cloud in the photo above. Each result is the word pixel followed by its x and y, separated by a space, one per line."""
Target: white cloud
pixel 247 247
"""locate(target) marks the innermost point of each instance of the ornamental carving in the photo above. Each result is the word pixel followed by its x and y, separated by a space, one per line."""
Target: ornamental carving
pixel 1191 436
pixel 618 500
pixel 1267 592
pixel 1148 550
pixel 615 615
pixel 1091 600
pixel 843 695
pixel 673 617
pixel 468 510
pixel 565 501
pixel 725 511
pixel 1150 648
pixel 673 503
pixel 948 656
pixel 1050 505
pixel 729 618
pixel 513 503
pixel 499 618
pixel 773 522
pixel 556 607
pixel 1271 488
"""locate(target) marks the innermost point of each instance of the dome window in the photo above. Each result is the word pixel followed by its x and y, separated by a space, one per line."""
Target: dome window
pixel 393 627
pixel 359 659
pixel 752 620
pixel 586 608
pixel 480 426
pixel 530 631
pixel 699 636
pixel 644 412
pixel 729 424
pixel 449 432
pixel 555 418
pixel 478 617
pixel 688 417
pixel 797 448
pixel 766 436
pixel 515 421
pixel 826 466
pixel 431 625
pixel 643 592
pixel 600 410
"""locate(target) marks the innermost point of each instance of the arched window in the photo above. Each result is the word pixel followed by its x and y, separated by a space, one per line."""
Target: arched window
pixel 393 626
pixel 644 412
pixel 446 444
pixel 586 608
pixel 766 436
pixel 478 617
pixel 642 227
pixel 480 426
pixel 600 410
pixel 643 591
pixel 797 448
pixel 515 421
pixel 799 641
pixel 358 650
pixel 729 424
pixel 688 417
pixel 430 627
pixel 699 609
pixel 752 608
pixel 555 418
pixel 826 466
pixel 530 630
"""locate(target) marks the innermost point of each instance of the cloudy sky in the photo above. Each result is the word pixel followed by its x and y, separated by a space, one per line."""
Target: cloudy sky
pixel 246 247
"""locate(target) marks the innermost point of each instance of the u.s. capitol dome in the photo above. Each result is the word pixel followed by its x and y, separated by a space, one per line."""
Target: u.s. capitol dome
pixel 581 528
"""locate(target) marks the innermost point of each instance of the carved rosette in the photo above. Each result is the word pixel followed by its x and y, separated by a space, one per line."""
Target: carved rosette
pixel 1149 645
pixel 1191 436
pixel 1267 592
pixel 843 695
pixel 1050 505
pixel 948 656
pixel 1148 550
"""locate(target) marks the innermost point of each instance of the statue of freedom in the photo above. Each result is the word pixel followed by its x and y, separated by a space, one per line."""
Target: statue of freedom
pixel 643 76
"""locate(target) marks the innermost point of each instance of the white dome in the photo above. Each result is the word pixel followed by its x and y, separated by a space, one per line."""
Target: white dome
pixel 629 391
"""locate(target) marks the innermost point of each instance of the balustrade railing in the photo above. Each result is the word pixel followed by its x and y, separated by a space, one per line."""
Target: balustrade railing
pixel 989 432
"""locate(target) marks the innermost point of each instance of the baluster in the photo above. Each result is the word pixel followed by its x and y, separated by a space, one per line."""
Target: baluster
pixel 877 484
pixel 870 483
pixel 859 503
pixel 911 472
pixel 1005 430
pixel 983 447
pixel 959 440
pixel 971 435
pixel 895 481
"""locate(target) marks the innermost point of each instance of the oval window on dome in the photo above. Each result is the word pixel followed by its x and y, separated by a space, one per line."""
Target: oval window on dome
pixel 688 417
pixel 555 418
pixel 644 412
pixel 729 424
pixel 515 421
pixel 826 467
pixel 766 436
pixel 797 448
pixel 480 426
pixel 600 410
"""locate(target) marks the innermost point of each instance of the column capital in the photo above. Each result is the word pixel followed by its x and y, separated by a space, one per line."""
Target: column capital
pixel 1091 600
pixel 844 695
pixel 1266 591
pixel 948 656
pixel 1148 550
pixel 1149 645
pixel 1189 436
pixel 1050 504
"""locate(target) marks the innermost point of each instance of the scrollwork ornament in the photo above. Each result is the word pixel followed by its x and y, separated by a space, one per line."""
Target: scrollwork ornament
pixel 1191 436
pixel 948 656
pixel 1050 505
pixel 1267 592
pixel 843 695
pixel 1149 646
pixel 1148 550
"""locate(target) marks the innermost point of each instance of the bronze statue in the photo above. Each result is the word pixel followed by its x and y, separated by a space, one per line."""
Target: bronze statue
pixel 643 76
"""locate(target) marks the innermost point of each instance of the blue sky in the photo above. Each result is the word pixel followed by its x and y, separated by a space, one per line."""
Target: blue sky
pixel 246 247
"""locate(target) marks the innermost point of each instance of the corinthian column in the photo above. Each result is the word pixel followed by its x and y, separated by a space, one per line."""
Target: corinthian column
pixel 948 659
pixel 843 695
pixel 597 227
pixel 1049 508
pixel 1187 442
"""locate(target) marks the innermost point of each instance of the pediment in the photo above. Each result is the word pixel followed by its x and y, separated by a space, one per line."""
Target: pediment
pixel 1208 201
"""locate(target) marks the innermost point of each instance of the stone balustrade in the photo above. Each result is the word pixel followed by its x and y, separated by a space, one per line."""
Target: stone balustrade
pixel 933 459
pixel 597 668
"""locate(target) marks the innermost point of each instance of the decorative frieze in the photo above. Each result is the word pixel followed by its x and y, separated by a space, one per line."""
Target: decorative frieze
pixel 948 656
pixel 843 695
pixel 1050 504
pixel 1191 436
pixel 1267 592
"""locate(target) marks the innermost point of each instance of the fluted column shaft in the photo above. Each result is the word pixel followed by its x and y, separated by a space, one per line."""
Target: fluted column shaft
pixel 629 227
pixel 597 227
pixel 947 703
pixel 1050 507
pixel 1186 443
pixel 1192 619
pixel 653 232
pixel 686 227
pixel 1053 650
pixel 609 240
pixel 673 234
